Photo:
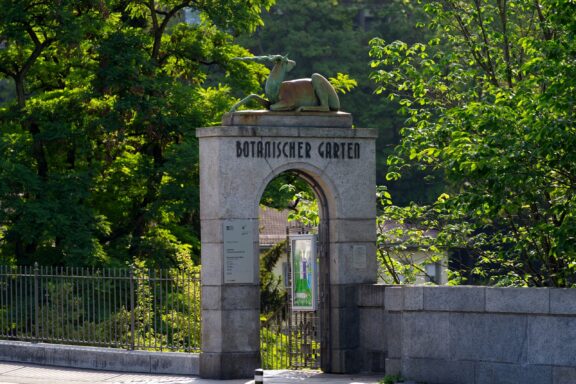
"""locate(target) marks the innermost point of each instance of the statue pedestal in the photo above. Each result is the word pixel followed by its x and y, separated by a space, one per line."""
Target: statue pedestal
pixel 288 119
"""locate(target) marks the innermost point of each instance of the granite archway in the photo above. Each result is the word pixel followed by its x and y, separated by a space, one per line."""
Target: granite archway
pixel 237 161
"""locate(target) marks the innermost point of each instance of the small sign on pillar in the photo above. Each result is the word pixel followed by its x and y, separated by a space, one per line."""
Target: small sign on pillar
pixel 238 251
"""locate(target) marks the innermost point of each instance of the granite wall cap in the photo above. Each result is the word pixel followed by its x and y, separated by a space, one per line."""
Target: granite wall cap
pixel 413 298
pixel 518 300
pixel 563 301
pixel 461 299
pixel 394 298
pixel 268 132
pixel 288 119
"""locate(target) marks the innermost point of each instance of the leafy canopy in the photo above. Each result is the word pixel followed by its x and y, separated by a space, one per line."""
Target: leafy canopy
pixel 489 102
pixel 98 157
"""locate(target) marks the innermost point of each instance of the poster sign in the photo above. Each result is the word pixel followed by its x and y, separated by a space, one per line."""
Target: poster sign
pixel 304 275
pixel 238 251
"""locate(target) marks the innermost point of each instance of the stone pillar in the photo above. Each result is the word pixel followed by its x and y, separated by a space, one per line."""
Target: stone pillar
pixel 237 161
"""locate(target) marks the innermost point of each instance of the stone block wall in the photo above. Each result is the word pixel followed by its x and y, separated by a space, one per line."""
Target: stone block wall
pixel 469 335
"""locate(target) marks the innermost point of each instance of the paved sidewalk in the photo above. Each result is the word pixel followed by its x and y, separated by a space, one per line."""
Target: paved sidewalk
pixel 17 373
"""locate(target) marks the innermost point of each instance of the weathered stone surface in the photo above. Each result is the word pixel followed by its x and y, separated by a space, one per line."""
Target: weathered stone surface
pixel 212 331
pixel 230 330
pixel 283 119
pixel 488 337
pixel 212 231
pixel 237 161
pixel 22 352
pixel 394 298
pixel 518 300
pixel 463 299
pixel 258 132
pixel 212 270
pixel 490 373
pixel 563 301
pixel 345 328
pixel 551 340
pixel 224 173
pixel 241 330
pixel 376 362
pixel 343 295
pixel 426 335
pixel 74 356
pixel 443 335
pixel 233 296
pixel 371 295
pixel 358 198
pixel 393 327
pixel 175 363
pixel 372 333
pixel 393 366
pixel 226 366
pixel 345 361
pixel 129 361
pixel 353 230
pixel 563 375
pixel 433 371
pixel 413 298
pixel 347 269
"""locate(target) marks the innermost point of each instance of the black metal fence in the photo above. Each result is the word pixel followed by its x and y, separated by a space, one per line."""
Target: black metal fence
pixel 131 308
pixel 290 340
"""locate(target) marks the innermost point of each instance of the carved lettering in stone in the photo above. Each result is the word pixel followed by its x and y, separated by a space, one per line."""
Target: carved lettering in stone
pixel 341 150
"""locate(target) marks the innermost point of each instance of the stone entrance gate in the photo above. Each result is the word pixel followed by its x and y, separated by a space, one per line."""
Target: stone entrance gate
pixel 237 161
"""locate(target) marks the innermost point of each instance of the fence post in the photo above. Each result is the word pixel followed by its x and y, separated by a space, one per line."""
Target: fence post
pixel 132 309
pixel 36 303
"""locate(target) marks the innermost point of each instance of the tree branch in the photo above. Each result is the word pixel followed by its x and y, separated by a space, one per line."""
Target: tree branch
pixel 159 29
pixel 468 38
pixel 486 46
pixel 548 35
pixel 504 21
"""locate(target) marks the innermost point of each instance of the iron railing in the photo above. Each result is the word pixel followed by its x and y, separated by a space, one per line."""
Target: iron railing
pixel 130 308
pixel 290 340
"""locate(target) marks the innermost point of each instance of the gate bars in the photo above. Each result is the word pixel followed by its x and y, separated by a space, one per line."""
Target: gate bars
pixel 129 308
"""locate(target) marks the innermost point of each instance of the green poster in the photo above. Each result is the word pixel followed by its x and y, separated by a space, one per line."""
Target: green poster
pixel 303 272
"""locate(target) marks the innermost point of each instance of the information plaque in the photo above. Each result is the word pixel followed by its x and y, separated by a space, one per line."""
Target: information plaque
pixel 238 251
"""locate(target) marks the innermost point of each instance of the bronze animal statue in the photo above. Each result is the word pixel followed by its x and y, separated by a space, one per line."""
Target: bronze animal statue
pixel 309 94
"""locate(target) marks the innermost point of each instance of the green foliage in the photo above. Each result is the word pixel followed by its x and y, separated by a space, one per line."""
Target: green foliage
pixel 290 191
pixel 331 37
pixel 98 155
pixel 274 349
pixel 391 379
pixel 272 294
pixel 95 308
pixel 343 83
pixel 277 345
pixel 408 239
pixel 7 91
pixel 489 103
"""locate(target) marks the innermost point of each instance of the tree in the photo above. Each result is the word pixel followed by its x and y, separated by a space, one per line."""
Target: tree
pixel 489 102
pixel 331 37
pixel 98 158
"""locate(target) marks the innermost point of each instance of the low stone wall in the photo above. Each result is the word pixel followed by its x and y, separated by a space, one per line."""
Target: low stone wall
pixel 100 358
pixel 469 335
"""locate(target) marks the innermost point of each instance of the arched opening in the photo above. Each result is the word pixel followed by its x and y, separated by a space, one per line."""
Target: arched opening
pixel 294 272
pixel 237 161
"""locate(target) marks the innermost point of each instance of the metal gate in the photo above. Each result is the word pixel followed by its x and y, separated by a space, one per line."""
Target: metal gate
pixel 291 339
